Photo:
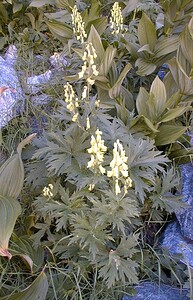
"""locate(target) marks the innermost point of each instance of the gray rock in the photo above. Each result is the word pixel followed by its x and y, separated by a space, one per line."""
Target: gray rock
pixel 153 291
pixel 58 61
pixel 9 80
pixel 185 216
pixel 174 241
pixel 11 93
pixel 36 83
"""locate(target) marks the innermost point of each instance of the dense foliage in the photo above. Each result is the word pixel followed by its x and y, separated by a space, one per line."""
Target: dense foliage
pixel 102 177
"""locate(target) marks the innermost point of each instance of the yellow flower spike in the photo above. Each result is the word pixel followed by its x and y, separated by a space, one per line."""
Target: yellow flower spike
pixel 69 97
pixel 97 151
pixel 118 165
pixel 78 23
pixel 89 67
pixel 116 19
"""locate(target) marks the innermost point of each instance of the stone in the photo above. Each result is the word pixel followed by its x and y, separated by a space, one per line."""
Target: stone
pixel 185 216
pixel 175 242
pixel 12 99
pixel 10 87
pixel 153 291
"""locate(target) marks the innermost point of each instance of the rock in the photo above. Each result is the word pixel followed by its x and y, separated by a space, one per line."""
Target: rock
pixel 153 291
pixel 36 83
pixel 11 91
pixel 185 216
pixel 174 241
pixel 58 61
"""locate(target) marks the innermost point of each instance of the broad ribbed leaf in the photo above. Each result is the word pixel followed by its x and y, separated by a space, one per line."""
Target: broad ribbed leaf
pixel 144 67
pixel 186 43
pixel 147 32
pixel 10 209
pixel 61 31
pixel 141 102
pixel 114 91
pixel 40 3
pixel 36 291
pixel 166 46
pixel 169 134
pixel 107 60
pixel 23 247
pixel 159 91
pixel 174 113
pixel 95 39
pixel 100 24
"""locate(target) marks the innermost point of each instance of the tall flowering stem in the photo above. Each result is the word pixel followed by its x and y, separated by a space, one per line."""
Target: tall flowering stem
pixel 78 25
pixel 97 151
pixel 119 168
pixel 71 100
pixel 89 67
pixel 116 19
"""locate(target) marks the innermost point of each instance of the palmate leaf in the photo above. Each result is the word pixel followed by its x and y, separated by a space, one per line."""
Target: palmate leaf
pixel 37 290
pixel 60 149
pixel 87 233
pixel 162 197
pixel 144 163
pixel 60 211
pixel 109 211
pixel 118 266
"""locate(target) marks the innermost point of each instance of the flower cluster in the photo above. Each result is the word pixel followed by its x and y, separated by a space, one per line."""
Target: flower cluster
pixel 116 19
pixel 78 28
pixel 89 67
pixel 72 101
pixel 97 151
pixel 47 191
pixel 119 168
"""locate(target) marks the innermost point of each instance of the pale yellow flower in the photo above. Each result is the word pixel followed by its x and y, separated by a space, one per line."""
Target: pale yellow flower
pixel 119 167
pixel 89 68
pixel 87 123
pixel 47 191
pixel 78 27
pixel 116 19
pixel 71 100
pixel 97 151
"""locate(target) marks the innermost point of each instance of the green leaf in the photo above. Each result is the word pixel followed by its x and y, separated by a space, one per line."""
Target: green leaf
pixel 40 3
pixel 17 7
pixel 141 101
pixel 95 39
pixel 114 91
pixel 159 91
pixel 174 113
pixel 147 32
pixel 100 24
pixel 23 247
pixel 118 265
pixel 37 290
pixel 10 209
pixel 165 46
pixel 61 31
pixel 144 67
pixel 107 60
pixel 186 43
pixel 168 134
pixel 131 5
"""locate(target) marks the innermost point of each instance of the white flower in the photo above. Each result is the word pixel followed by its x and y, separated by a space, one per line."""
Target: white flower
pixel 97 151
pixel 78 23
pixel 119 167
pixel 116 19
